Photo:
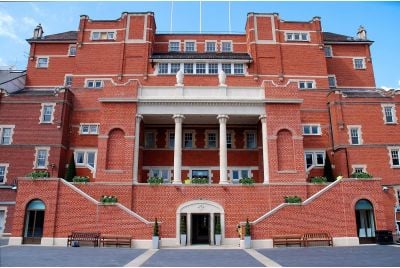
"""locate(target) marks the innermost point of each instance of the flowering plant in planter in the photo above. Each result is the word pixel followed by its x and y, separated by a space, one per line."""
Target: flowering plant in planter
pixel 108 199
pixel 80 179
pixel 38 174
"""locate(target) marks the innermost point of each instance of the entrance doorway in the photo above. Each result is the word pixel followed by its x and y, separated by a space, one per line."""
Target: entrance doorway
pixel 200 229
pixel 365 222
pixel 34 220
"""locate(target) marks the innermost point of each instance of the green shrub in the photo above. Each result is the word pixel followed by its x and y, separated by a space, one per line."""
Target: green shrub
pixel 319 180
pixel 108 199
pixel 155 180
pixel 292 199
pixel 38 174
pixel 81 179
pixel 183 225
pixel 200 180
pixel 71 171
pixel 155 228
pixel 247 181
pixel 361 175
pixel 217 230
pixel 247 231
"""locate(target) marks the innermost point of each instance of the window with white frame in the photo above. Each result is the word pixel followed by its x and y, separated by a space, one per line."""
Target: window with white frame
pixel 229 140
pixel 238 68
pixel 6 133
pixel 92 83
pixel 239 173
pixel 163 68
pixel 190 46
pixel 355 135
pixel 332 81
pixel 314 159
pixel 72 50
pixel 306 84
pixel 149 139
pixel 171 139
pixel 211 46
pixel 394 153
pixel 188 139
pixel 297 36
pixel 174 46
pixel 226 46
pixel 226 67
pixel 211 139
pixel 389 113
pixel 41 157
pixel 103 35
pixel 89 129
pixel 213 68
pixel 161 173
pixel 175 67
pixel 47 113
pixel 328 51
pixel 42 62
pixel 68 81
pixel 200 68
pixel 359 168
pixel 251 140
pixel 86 158
pixel 311 129
pixel 3 172
pixel 188 68
pixel 359 63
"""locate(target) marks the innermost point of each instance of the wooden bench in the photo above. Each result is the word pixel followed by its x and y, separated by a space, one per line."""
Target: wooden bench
pixel 84 236
pixel 315 238
pixel 116 240
pixel 286 240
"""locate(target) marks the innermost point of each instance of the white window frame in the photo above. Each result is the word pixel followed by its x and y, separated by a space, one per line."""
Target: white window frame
pixel 89 125
pixel 41 121
pixel 314 158
pixel 310 126
pixel 358 127
pixel 3 223
pixel 239 170
pixel 330 54
pixel 69 50
pixel 232 133
pixel 146 143
pixel 95 81
pixel 306 82
pixel 359 166
pixel 193 139
pixel 169 132
pixel 65 80
pixel 174 41
pixel 300 33
pixel 196 68
pixel 226 41
pixel 364 66
pixel 35 162
pixel 246 132
pixel 210 41
pixel 5 165
pixel 394 116
pixel 42 57
pixel 161 169
pixel 159 68
pixel 194 45
pixel 210 174
pixel 332 76
pixel 114 32
pixel 216 139
pixel 85 164
pixel 2 127
pixel 390 149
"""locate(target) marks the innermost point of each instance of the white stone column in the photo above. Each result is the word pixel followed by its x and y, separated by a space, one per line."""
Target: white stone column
pixel 212 231
pixel 223 162
pixel 263 119
pixel 136 149
pixel 189 229
pixel 178 148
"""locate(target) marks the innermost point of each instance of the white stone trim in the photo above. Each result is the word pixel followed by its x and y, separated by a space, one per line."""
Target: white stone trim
pixel 391 105
pixel 11 134
pixel 42 112
pixel 360 139
pixel 6 165
pixel 15 241
pixel 273 30
pixel 37 149
pixel 345 241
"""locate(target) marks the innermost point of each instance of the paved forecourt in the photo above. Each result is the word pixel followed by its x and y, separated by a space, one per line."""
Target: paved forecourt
pixel 364 255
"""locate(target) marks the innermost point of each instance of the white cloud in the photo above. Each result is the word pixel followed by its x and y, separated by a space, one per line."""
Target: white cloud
pixel 398 82
pixel 389 88
pixel 4 65
pixel 29 22
pixel 7 27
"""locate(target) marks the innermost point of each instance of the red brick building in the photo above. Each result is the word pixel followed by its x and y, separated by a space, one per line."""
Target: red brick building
pixel 272 104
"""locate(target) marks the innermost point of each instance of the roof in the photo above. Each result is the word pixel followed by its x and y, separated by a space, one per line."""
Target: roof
pixel 333 37
pixel 9 75
pixel 65 36
pixel 207 55
pixel 33 92
pixel 12 80
pixel 365 93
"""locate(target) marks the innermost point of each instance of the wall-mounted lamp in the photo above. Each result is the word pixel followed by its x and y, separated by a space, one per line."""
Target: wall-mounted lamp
pixel 385 188
pixel 14 186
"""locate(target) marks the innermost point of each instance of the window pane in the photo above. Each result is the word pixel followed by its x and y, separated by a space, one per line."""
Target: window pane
pixel 354 136
pixel 72 51
pixel 228 140
pixel 190 46
pixel 42 62
pixel 85 129
pixel 244 173
pixel 98 84
pixel 235 174
pixel 200 68
pixel 41 158
pixel 175 67
pixel 238 68
pixel 320 159
pixel 395 157
pixel 210 47
pixel 93 129
pixel 213 68
pixel 79 157
pixel 2 173
pixel 314 129
pixel 200 174
pixel 47 112
pixel 304 36
pixel 174 46
pixel 309 160
pixel 110 35
pixel 163 68
pixel 6 136
pixel 389 114
pixel 226 67
pixel 90 159
pixel 68 81
pixel 251 140
pixel 155 172
pixel 226 47
pixel 188 142
pixel 328 51
pixel 212 140
pixel 188 68
pixel 149 140
pixel 95 35
pixel 306 129
pixel 332 81
pixel 164 174
pixel 171 141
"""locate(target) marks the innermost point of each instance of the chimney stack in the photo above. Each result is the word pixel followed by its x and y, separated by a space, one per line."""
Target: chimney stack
pixel 362 33
pixel 38 32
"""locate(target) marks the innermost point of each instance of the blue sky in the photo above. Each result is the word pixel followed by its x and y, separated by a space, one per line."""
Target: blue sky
pixel 381 19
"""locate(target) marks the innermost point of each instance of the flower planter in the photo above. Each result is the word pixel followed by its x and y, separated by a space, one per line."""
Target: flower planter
pixel 218 240
pixel 155 242
pixel 247 242
pixel 183 240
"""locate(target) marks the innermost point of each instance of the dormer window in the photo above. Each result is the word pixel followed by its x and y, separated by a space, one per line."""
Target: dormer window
pixel 226 46
pixel 190 46
pixel 211 46
pixel 174 46
pixel 103 35
pixel 297 36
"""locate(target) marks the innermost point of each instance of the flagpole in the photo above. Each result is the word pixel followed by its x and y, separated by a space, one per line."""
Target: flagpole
pixel 200 16
pixel 172 10
pixel 229 16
